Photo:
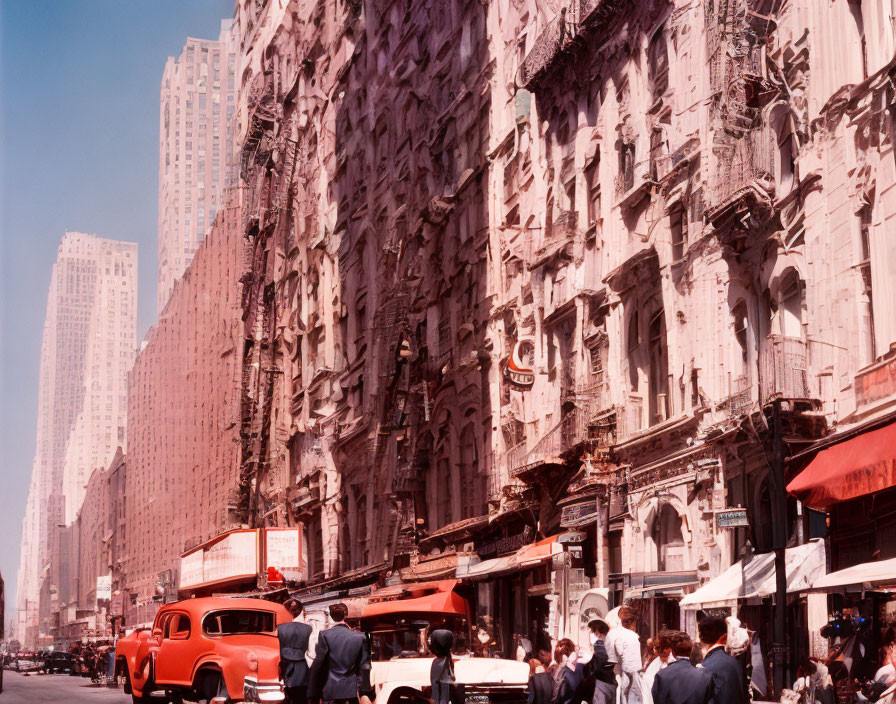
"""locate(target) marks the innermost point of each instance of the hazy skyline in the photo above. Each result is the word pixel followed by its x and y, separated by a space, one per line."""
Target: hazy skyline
pixel 80 130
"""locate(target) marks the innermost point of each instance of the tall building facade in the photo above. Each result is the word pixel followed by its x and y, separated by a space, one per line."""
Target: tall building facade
pixel 195 149
pixel 183 421
pixel 88 343
pixel 100 426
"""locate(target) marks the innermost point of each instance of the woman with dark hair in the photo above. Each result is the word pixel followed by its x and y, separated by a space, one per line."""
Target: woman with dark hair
pixel 441 674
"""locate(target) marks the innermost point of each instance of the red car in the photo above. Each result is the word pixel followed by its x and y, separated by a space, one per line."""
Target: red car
pixel 210 648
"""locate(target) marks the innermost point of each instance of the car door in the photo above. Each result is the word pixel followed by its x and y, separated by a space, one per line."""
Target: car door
pixel 175 659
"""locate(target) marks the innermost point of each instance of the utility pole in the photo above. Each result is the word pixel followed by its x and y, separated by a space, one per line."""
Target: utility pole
pixel 778 500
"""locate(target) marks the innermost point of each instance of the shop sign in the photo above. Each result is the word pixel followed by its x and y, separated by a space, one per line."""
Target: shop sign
pixel 732 518
pixel 232 555
pixel 580 514
pixel 283 551
pixel 503 546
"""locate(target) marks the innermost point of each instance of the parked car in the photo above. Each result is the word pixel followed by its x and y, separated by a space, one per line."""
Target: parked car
pixel 57 663
pixel 398 620
pixel 206 648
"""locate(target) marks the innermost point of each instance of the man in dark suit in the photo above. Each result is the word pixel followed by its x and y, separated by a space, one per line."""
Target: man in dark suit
pixel 340 672
pixel 680 682
pixel 728 676
pixel 293 639
pixel 600 665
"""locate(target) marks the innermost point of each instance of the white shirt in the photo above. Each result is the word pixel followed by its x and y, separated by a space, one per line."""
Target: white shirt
pixel 886 674
pixel 624 648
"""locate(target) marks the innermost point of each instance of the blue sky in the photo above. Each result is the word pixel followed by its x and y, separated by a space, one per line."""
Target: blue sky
pixel 79 113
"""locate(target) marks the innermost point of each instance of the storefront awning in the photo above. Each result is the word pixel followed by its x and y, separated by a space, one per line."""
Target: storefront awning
pixel 864 577
pixel 861 465
pixel 756 578
pixel 526 556
pixel 429 597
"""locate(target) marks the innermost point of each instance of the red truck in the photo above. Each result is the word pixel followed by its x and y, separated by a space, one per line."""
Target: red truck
pixel 215 649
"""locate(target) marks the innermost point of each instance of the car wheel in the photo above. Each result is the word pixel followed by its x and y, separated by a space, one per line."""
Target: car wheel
pixel 213 689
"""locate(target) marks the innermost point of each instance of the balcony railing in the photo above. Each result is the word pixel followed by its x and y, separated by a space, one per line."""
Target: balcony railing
pixel 740 396
pixel 556 37
pixel 741 164
pixel 515 458
pixel 784 368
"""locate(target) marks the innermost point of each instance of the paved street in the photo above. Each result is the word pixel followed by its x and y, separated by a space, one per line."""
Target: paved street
pixel 34 689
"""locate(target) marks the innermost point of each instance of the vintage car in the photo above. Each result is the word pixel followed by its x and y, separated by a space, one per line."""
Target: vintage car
pixel 213 648
pixel 398 620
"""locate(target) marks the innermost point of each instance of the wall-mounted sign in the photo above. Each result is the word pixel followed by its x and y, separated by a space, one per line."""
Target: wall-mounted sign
pixel 519 366
pixel 502 546
pixel 580 514
pixel 283 551
pixel 231 555
pixel 732 518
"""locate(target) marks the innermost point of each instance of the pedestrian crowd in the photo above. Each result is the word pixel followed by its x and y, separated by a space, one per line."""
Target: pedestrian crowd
pixel 675 670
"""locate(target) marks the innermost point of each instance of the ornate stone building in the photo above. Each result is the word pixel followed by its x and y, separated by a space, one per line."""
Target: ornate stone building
pixel 515 268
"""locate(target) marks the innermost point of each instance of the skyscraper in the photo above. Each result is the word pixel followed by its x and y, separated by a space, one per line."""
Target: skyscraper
pixel 195 149
pixel 88 345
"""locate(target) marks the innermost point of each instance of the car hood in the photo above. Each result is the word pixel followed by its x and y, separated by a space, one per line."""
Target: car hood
pixel 467 670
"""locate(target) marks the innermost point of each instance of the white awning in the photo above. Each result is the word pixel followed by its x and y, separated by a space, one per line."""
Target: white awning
pixel 866 576
pixel 756 579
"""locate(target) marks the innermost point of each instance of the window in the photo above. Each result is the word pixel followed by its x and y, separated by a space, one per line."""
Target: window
pixel 232 622
pixel 627 166
pixel 668 538
pixel 659 369
pixel 570 189
pixel 866 299
pixel 855 9
pixel 658 64
pixel 780 119
pixel 791 306
pixel 741 323
pixel 678 226
pixel 592 183
pixel 177 627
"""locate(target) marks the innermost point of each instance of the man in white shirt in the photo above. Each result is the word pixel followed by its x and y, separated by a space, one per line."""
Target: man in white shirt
pixel 624 648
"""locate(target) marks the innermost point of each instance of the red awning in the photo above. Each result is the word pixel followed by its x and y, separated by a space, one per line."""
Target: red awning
pixel 428 597
pixel 855 467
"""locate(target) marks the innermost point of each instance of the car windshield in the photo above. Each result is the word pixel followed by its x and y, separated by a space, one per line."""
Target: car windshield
pixel 405 636
pixel 231 622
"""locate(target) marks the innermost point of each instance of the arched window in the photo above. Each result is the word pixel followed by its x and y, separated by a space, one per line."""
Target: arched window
pixel 668 539
pixel 791 305
pixel 785 168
